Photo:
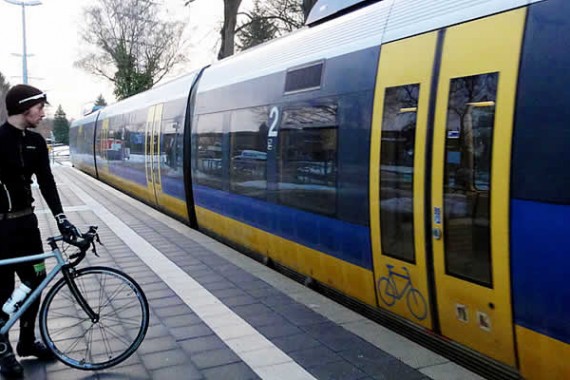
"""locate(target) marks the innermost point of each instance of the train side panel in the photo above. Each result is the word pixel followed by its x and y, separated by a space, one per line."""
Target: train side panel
pixel 299 196
pixel 81 134
pixel 541 196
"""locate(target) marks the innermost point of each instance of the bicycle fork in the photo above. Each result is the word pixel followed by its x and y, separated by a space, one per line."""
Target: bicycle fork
pixel 68 274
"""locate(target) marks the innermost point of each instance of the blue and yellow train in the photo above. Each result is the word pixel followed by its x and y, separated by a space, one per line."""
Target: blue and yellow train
pixel 409 155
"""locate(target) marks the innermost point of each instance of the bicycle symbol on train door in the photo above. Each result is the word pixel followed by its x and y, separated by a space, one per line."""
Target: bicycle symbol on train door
pixel 389 293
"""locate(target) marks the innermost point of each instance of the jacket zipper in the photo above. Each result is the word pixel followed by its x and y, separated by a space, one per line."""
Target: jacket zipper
pixel 8 197
pixel 22 149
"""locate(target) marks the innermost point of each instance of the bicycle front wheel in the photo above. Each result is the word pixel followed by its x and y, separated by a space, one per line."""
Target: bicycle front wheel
pixel 79 341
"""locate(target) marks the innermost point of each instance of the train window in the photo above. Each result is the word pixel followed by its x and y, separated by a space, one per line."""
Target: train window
pixel 248 154
pixel 397 171
pixel 467 184
pixel 208 167
pixel 171 147
pixel 307 159
pixel 172 143
pixel 135 136
pixel 304 78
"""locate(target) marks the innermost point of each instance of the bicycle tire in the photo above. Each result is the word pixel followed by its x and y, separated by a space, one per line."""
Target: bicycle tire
pixel 418 309
pixel 387 292
pixel 81 343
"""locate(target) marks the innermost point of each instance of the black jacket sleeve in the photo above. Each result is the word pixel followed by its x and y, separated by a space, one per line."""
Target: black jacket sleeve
pixel 45 178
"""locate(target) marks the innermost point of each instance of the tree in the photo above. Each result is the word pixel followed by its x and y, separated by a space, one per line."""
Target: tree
pixel 228 29
pixel 134 49
pixel 272 19
pixel 4 87
pixel 61 126
pixel 258 30
pixel 100 102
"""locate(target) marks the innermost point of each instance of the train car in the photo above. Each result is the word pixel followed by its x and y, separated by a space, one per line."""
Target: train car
pixel 405 156
pixel 138 145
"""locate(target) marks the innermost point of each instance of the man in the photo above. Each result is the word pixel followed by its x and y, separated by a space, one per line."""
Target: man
pixel 24 153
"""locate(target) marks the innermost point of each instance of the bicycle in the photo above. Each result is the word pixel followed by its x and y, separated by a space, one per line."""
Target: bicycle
pixel 92 318
pixel 389 292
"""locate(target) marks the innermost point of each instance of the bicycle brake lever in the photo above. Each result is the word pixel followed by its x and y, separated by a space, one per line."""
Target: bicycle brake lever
pixel 93 244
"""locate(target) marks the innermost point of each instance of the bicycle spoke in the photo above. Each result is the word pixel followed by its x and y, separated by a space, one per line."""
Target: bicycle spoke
pixel 68 328
pixel 101 291
pixel 122 321
pixel 76 342
pixel 88 344
pixel 105 340
pixel 111 297
pixel 114 333
pixel 127 306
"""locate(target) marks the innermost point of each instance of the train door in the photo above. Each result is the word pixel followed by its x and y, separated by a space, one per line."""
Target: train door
pixel 456 281
pixel 103 147
pixel 153 154
pixel 470 182
pixel 398 177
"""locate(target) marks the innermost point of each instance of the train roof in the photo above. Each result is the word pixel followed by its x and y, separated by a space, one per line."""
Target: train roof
pixel 365 27
pixel 163 93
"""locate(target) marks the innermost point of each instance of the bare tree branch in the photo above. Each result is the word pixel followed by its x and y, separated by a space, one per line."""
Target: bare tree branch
pixel 133 47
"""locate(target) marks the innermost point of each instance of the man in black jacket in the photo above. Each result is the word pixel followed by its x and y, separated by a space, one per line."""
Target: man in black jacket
pixel 24 153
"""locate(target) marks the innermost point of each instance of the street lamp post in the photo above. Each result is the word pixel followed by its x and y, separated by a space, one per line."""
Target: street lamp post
pixel 24 4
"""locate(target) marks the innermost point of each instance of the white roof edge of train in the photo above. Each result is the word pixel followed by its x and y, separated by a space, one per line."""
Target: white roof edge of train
pixel 369 26
pixel 173 89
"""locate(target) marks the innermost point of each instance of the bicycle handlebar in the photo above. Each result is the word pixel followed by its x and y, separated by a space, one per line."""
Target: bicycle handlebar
pixel 83 242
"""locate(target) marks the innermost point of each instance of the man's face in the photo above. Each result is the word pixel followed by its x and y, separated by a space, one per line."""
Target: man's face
pixel 34 115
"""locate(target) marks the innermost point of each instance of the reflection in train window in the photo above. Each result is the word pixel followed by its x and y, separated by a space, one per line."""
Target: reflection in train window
pixel 397 171
pixel 208 161
pixel 467 187
pixel 307 158
pixel 248 154
pixel 172 142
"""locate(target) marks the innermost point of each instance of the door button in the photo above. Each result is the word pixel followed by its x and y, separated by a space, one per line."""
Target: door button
pixel 436 232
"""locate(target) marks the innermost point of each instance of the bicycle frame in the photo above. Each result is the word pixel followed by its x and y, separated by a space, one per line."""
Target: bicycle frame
pixel 59 267
pixel 406 277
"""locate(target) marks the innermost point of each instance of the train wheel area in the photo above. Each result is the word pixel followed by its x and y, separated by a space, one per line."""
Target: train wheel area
pixel 217 314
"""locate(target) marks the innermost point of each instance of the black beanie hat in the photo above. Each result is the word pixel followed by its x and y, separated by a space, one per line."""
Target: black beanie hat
pixel 22 97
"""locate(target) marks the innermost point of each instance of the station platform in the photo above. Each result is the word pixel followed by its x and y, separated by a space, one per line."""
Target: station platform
pixel 248 322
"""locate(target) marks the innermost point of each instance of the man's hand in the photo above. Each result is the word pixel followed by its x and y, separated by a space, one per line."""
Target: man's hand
pixel 68 230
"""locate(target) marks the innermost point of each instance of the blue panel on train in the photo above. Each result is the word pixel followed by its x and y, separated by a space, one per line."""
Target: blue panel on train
pixel 346 241
pixel 174 187
pixel 136 175
pixel 540 144
pixel 540 264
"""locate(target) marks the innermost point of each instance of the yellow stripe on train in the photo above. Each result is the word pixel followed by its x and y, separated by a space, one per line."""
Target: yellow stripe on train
pixel 351 279
pixel 169 203
pixel 542 357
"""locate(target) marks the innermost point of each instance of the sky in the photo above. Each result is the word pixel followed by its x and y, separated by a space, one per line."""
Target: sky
pixel 53 39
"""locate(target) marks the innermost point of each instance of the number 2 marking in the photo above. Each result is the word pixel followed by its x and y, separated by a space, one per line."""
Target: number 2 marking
pixel 274 117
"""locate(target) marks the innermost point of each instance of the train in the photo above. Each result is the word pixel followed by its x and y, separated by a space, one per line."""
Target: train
pixel 407 156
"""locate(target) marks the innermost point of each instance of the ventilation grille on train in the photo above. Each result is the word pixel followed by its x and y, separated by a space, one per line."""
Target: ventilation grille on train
pixel 304 78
